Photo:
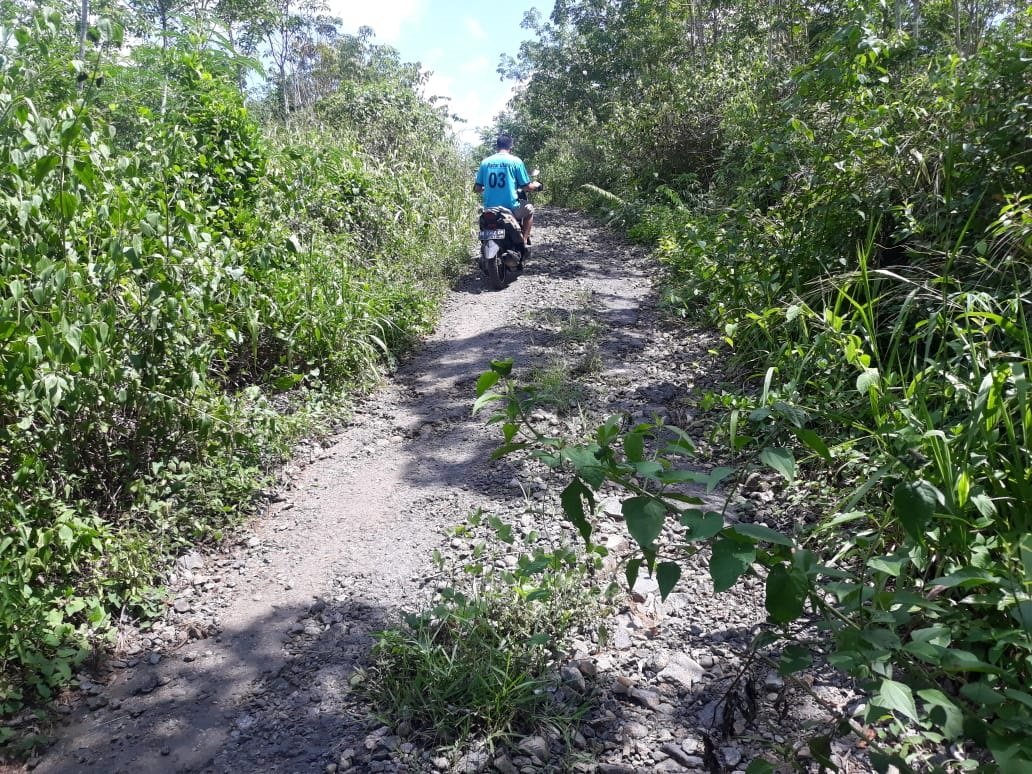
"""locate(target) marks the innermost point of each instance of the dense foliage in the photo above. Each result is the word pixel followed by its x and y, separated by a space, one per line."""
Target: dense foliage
pixel 183 291
pixel 843 189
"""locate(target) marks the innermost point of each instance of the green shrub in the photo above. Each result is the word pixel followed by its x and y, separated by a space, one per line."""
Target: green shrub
pixel 483 658
pixel 167 267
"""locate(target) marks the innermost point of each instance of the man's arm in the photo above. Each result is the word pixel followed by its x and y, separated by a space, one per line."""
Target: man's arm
pixel 520 173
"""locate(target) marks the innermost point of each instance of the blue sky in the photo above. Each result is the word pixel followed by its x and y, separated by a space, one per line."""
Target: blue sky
pixel 458 41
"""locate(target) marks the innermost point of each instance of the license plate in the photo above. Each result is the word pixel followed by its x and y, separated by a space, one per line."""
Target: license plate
pixel 494 233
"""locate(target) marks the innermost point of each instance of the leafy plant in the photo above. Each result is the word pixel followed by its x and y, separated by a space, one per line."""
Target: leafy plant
pixel 483 657
pixel 895 616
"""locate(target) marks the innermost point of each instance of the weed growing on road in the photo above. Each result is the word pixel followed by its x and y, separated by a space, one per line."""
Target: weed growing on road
pixel 481 660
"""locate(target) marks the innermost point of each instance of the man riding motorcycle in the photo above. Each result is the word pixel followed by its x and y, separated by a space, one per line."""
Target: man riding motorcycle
pixel 499 179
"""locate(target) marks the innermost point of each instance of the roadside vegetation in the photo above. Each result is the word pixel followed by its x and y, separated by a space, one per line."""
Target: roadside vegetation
pixel 842 190
pixel 192 276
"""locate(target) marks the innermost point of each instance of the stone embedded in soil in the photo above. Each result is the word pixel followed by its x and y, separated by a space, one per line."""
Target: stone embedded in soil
pixel 536 747
pixel 683 671
pixel 647 699
pixel 574 678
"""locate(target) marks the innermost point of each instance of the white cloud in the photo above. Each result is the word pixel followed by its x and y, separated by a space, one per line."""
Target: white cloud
pixel 477 106
pixel 475 28
pixel 386 17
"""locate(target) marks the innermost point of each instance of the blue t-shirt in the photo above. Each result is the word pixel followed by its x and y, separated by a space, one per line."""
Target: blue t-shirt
pixel 501 174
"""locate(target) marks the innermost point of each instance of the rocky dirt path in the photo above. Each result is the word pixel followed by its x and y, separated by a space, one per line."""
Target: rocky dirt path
pixel 252 668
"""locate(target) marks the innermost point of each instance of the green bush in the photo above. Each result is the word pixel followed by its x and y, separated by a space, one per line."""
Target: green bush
pixel 167 267
pixel 859 234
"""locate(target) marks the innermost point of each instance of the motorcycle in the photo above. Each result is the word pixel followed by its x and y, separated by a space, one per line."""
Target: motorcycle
pixel 502 248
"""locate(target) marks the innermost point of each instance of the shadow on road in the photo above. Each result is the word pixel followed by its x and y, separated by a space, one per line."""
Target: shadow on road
pixel 271 704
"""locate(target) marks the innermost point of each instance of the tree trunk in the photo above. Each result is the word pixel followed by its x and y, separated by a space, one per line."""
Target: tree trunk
pixel 84 23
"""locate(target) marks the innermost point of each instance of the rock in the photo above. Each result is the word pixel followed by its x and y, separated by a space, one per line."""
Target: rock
pixel 536 747
pixel 587 667
pixel 647 699
pixel 732 755
pixel 473 762
pixel 574 678
pixel 677 752
pixel 635 730
pixel 682 671
pixel 190 561
pixel 621 638
pixel 505 765
pixel 615 768
pixel 182 605
pixel 645 585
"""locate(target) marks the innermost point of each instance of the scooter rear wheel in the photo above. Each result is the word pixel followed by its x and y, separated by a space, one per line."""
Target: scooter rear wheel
pixel 496 272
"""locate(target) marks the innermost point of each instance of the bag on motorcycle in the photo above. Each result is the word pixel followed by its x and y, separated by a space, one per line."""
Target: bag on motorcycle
pixel 501 217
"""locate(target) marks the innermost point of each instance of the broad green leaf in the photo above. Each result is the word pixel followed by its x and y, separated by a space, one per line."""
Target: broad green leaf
pixel 914 503
pixel 820 749
pixel 957 660
pixel 934 635
pixel 890 565
pixel 572 500
pixel 780 460
pixel 648 469
pixel 1021 696
pixel 896 697
pixel 44 166
pixel 507 449
pixel 764 533
pixel 67 203
pixel 981 692
pixel 796 416
pixel 944 713
pixel 634 447
pixel 483 400
pixel 795 658
pixel 65 535
pixel 631 572
pixel 813 442
pixel 967 577
pixel 585 461
pixel 701 526
pixel 682 476
pixel 785 593
pixel 644 517
pixel 1011 751
pixel 502 367
pixel 487 380
pixel 729 561
pixel 667 575
pixel 883 763
pixel 716 476
pixel 759 766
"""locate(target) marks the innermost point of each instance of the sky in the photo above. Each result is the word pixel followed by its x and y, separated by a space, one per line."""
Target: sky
pixel 458 41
